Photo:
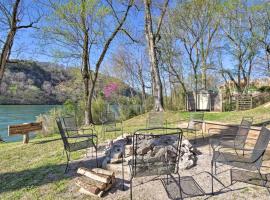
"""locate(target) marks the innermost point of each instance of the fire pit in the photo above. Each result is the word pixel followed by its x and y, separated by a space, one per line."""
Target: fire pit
pixel 149 149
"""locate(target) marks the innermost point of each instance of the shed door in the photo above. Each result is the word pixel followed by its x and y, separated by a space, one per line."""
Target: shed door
pixel 203 101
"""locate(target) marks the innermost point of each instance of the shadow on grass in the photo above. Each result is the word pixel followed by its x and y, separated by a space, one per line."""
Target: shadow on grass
pixel 47 141
pixel 39 176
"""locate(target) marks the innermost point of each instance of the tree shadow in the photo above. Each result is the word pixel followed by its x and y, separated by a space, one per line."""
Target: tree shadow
pixel 46 141
pixel 34 177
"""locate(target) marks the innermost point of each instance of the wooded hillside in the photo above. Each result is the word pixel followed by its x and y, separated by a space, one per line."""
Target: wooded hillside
pixel 29 82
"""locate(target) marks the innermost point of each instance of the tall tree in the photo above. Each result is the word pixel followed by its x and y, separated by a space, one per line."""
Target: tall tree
pixel 196 24
pixel 259 23
pixel 239 42
pixel 152 39
pixel 79 28
pixel 130 68
pixel 11 17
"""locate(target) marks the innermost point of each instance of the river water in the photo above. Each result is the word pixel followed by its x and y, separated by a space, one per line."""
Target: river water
pixel 18 114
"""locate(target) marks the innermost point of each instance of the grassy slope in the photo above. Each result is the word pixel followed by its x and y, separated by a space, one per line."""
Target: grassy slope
pixel 36 170
pixel 259 114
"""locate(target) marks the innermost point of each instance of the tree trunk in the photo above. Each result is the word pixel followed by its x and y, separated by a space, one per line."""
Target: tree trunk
pixel 157 84
pixel 196 92
pixel 9 41
pixel 6 53
pixel 85 66
pixel 140 73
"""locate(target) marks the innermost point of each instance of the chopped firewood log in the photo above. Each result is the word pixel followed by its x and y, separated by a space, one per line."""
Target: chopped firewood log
pixel 103 171
pixel 108 187
pixel 90 188
pixel 90 181
pixel 100 194
pixel 93 175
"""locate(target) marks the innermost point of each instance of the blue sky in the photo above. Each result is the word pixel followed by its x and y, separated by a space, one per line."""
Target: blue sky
pixel 30 48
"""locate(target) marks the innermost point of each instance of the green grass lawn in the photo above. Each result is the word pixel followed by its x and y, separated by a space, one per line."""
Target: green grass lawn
pixel 35 170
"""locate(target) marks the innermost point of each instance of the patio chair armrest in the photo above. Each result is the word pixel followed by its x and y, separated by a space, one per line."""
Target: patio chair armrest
pixel 197 122
pixel 254 159
pixel 214 130
pixel 232 148
pixel 83 136
pixel 188 129
pixel 224 137
pixel 86 129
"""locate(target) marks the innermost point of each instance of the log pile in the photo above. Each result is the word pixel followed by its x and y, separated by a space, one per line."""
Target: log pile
pixel 95 182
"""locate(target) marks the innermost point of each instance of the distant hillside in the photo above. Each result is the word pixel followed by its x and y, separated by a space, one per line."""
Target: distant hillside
pixel 29 82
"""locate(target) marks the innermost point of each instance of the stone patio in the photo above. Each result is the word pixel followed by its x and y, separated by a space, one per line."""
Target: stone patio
pixel 194 181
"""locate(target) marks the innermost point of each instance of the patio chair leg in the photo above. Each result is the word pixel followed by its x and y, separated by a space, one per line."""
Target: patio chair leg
pixel 68 157
pixel 264 181
pixel 180 189
pixel 96 148
pixel 212 177
pixel 131 187
pixel 215 168
pixel 202 135
pixel 231 176
pixel 167 168
pixel 123 178
pixel 92 152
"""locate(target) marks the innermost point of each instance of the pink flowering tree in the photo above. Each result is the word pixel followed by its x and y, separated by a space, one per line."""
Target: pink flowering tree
pixel 110 89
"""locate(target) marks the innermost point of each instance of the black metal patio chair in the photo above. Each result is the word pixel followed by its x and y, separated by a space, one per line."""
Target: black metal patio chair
pixel 109 124
pixel 236 141
pixel 75 142
pixel 250 162
pixel 195 124
pixel 156 120
pixel 160 157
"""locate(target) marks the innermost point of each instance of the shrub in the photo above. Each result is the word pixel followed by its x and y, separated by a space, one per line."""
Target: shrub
pixel 264 89
pixel 49 123
pixel 98 106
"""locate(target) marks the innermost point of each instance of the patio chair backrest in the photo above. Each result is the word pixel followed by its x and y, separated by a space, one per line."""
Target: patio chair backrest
pixel 242 133
pixel 69 123
pixel 108 118
pixel 261 146
pixel 62 132
pixel 154 120
pixel 196 120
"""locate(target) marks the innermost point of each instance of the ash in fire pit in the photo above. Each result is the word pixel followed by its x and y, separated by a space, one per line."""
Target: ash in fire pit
pixel 150 149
